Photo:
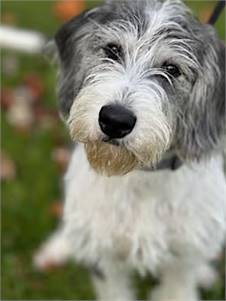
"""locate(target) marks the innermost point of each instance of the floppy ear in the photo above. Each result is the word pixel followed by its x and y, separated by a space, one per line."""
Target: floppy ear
pixel 56 48
pixel 204 117
pixel 69 57
pixel 64 36
pixel 71 31
pixel 73 43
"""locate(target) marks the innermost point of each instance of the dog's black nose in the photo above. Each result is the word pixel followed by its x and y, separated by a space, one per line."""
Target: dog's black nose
pixel 116 121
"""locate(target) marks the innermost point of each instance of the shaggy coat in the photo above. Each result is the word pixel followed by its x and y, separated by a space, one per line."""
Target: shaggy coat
pixel 156 60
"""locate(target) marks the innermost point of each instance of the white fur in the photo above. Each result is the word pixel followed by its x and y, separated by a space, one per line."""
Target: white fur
pixel 163 222
pixel 168 223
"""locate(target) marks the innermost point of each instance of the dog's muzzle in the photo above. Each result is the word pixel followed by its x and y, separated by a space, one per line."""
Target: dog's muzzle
pixel 107 151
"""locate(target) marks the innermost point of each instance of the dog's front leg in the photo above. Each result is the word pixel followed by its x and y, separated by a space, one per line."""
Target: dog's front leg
pixel 55 251
pixel 178 282
pixel 113 282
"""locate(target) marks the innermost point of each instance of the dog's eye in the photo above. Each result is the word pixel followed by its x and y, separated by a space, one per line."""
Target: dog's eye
pixel 171 69
pixel 113 51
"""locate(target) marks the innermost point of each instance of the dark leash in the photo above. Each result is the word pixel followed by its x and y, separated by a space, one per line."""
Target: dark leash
pixel 216 12
pixel 171 161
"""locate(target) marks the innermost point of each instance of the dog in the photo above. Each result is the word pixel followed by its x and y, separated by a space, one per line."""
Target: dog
pixel 142 91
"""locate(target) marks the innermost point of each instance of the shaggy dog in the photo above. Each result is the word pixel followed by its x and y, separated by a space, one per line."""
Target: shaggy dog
pixel 141 88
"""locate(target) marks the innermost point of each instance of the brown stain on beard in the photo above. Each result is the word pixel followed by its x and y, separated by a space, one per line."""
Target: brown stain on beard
pixel 108 159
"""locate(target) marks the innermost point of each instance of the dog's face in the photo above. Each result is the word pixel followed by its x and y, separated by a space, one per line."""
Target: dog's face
pixel 138 78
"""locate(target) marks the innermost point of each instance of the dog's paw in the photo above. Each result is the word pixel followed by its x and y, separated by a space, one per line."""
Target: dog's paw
pixel 207 276
pixel 54 253
pixel 174 291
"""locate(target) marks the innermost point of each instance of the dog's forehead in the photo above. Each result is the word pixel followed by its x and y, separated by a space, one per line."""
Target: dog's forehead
pixel 159 29
pixel 128 22
pixel 130 8
pixel 146 17
pixel 139 24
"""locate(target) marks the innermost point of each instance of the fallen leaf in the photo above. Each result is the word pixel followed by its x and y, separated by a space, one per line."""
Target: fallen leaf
pixel 7 98
pixel 61 156
pixel 56 209
pixel 7 168
pixel 34 83
pixel 66 9
pixel 8 18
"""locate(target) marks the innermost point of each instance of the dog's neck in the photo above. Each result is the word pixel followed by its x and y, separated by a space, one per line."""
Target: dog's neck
pixel 170 161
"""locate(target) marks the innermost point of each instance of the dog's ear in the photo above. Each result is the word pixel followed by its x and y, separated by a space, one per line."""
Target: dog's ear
pixel 204 116
pixel 70 52
pixel 66 36
pixel 68 57
pixel 56 48
pixel 74 45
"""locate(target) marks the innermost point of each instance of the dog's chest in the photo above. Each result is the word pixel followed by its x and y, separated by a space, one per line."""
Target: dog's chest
pixel 123 217
pixel 138 217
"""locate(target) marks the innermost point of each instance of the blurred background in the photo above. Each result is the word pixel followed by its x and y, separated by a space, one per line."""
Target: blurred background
pixel 34 154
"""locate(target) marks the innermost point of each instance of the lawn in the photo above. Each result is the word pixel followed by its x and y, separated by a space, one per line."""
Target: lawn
pixel 35 156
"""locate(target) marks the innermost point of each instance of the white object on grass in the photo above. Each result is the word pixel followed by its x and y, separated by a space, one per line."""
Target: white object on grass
pixel 21 40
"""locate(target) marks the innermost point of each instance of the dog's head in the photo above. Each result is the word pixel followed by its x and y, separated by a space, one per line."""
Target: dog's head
pixel 138 78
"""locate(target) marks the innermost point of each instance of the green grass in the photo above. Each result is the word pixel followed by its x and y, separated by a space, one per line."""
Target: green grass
pixel 26 220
